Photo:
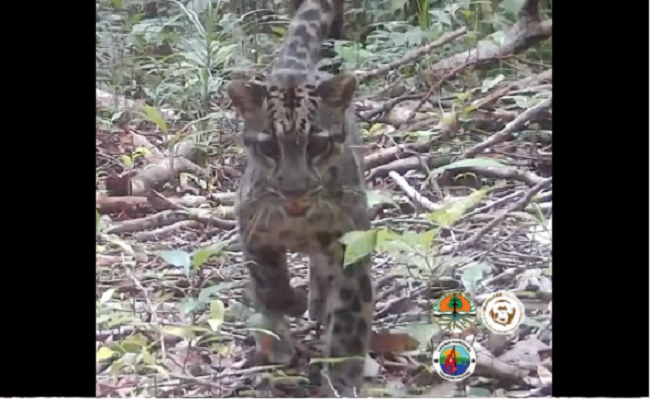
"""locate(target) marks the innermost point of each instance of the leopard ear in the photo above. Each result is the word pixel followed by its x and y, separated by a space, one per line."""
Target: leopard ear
pixel 339 90
pixel 247 97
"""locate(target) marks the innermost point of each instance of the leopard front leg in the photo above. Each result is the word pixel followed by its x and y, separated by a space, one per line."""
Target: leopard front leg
pixel 318 287
pixel 349 309
pixel 273 297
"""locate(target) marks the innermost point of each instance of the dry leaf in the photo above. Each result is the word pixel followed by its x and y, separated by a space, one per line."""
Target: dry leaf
pixel 387 342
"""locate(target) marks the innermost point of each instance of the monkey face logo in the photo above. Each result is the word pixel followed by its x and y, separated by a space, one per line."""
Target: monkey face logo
pixel 502 312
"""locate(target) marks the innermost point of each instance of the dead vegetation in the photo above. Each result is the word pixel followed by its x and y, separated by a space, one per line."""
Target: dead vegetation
pixel 461 193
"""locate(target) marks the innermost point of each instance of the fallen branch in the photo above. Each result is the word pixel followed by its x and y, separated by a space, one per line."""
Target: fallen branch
pixel 527 31
pixel 501 172
pixel 108 205
pixel 403 165
pixel 544 77
pixel 433 87
pixel 167 218
pixel 511 127
pixel 418 162
pixel 166 231
pixel 441 41
pixel 491 367
pixel 412 193
pixel 387 106
pixel 108 100
pixel 386 155
pixel 517 206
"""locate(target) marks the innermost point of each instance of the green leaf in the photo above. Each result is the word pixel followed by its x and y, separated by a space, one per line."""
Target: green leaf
pixel 117 4
pixel 104 353
pixel 190 305
pixel 468 163
pixel 451 212
pixel 521 101
pixel 377 197
pixel 127 162
pixel 386 235
pixel 207 292
pixel 184 332
pixel 146 357
pixel 217 312
pixel 392 242
pixel 96 221
pixel 422 333
pixel 134 343
pixel 421 240
pixel 202 255
pixel 376 127
pixel 358 245
pixel 177 258
pixel 442 16
pixel 140 152
pixel 490 83
pixel 278 30
pixel 397 5
pixel 472 274
pixel 107 295
pixel 118 320
pixel 152 115
pixel 511 6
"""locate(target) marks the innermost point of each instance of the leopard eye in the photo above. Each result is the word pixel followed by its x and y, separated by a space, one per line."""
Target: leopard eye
pixel 269 148
pixel 317 146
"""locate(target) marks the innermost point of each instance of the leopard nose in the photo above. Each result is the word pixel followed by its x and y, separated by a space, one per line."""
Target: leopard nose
pixel 294 193
pixel 292 187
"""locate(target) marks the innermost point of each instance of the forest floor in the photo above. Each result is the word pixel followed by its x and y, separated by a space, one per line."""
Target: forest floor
pixel 462 182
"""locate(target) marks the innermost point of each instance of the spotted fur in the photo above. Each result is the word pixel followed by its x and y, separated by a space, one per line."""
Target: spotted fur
pixel 302 189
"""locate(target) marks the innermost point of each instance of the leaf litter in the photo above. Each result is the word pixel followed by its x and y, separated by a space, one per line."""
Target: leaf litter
pixel 172 312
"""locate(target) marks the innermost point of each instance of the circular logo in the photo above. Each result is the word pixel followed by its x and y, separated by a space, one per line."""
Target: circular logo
pixel 454 312
pixel 454 360
pixel 502 312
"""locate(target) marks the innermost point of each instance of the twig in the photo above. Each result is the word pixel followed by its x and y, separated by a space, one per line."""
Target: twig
pixel 502 172
pixel 433 87
pixel 251 370
pixel 385 155
pixel 487 207
pixel 510 128
pixel 517 206
pixel 165 231
pixel 527 31
pixel 167 218
pixel 387 106
pixel 405 164
pixel 387 308
pixel 420 124
pixel 154 315
pixel 442 40
pixel 407 366
pixel 412 193
pixel 203 381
